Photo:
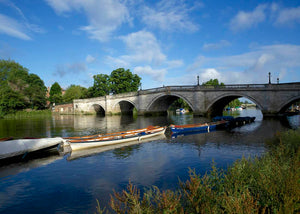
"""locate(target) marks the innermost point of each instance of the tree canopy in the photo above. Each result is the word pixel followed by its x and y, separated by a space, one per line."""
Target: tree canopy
pixel 213 82
pixel 101 86
pixel 55 93
pixel 74 92
pixel 124 81
pixel 119 81
pixel 19 89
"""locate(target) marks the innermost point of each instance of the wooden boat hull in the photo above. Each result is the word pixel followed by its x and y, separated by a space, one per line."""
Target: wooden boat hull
pixel 94 151
pixel 135 131
pixel 197 127
pixel 92 143
pixel 12 148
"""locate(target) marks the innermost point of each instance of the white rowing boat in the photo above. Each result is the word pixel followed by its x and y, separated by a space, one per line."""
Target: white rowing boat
pixel 77 144
pixel 12 148
pixel 95 151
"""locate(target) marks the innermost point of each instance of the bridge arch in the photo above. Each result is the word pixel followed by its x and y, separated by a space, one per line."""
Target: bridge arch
pixel 98 109
pixel 217 105
pixel 124 107
pixel 287 104
pixel 162 102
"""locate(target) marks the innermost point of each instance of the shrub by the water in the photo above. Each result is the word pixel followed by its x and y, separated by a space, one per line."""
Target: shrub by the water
pixel 269 184
pixel 28 114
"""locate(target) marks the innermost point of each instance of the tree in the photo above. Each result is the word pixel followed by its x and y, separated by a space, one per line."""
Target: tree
pixel 55 93
pixel 119 81
pixel 74 92
pixel 179 103
pixel 19 89
pixel 213 82
pixel 36 91
pixel 10 101
pixel 101 85
pixel 122 81
pixel 234 103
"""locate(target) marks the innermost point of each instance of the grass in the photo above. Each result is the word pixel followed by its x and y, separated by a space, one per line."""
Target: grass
pixel 28 114
pixel 269 184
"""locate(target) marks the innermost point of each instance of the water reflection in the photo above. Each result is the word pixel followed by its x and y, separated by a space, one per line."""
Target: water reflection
pixel 294 121
pixel 72 183
pixel 35 160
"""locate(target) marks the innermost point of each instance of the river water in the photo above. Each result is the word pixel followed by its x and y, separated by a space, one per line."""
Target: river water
pixel 62 182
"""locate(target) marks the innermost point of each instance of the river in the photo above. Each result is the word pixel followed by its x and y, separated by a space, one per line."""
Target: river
pixel 62 182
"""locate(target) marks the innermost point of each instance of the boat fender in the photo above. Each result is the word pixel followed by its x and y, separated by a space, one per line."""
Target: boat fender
pixel 207 128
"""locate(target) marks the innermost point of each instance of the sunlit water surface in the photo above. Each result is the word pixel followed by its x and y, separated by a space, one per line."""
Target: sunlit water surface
pixel 59 182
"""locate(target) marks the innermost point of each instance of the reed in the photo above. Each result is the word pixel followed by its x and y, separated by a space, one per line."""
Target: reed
pixel 28 114
pixel 269 184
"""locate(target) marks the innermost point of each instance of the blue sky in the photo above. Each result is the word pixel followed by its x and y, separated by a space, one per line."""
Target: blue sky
pixel 167 42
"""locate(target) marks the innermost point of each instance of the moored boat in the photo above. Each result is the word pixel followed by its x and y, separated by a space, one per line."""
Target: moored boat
pixel 135 131
pixel 94 151
pixel 20 147
pixel 198 127
pixel 115 138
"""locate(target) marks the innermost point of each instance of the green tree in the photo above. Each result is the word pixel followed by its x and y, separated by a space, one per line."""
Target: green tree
pixel 36 91
pixel 179 103
pixel 19 89
pixel 101 86
pixel 122 81
pixel 119 81
pixel 10 101
pixel 74 92
pixel 234 103
pixel 213 82
pixel 55 93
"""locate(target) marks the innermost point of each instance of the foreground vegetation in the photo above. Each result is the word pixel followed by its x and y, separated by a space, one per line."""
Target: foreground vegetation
pixel 269 184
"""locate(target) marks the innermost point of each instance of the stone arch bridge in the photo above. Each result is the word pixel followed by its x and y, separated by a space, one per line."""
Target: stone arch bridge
pixel 272 99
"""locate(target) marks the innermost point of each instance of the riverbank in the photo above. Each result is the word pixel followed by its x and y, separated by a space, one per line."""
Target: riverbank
pixel 28 114
pixel 269 184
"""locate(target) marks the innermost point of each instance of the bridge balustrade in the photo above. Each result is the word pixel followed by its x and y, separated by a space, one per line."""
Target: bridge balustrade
pixel 233 86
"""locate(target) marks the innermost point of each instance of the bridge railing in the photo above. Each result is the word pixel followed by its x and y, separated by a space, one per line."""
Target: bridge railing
pixel 233 86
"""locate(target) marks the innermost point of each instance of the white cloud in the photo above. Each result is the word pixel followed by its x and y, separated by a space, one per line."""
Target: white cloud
pixel 144 48
pixel 288 16
pixel 156 74
pixel 216 46
pixel 271 13
pixel 169 15
pixel 13 28
pixel 63 6
pixel 90 59
pixel 104 16
pixel 144 54
pixel 174 63
pixel 250 67
pixel 245 20
pixel 210 73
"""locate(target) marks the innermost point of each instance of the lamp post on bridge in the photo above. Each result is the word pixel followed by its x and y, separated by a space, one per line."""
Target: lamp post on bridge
pixel 198 80
pixel 269 77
